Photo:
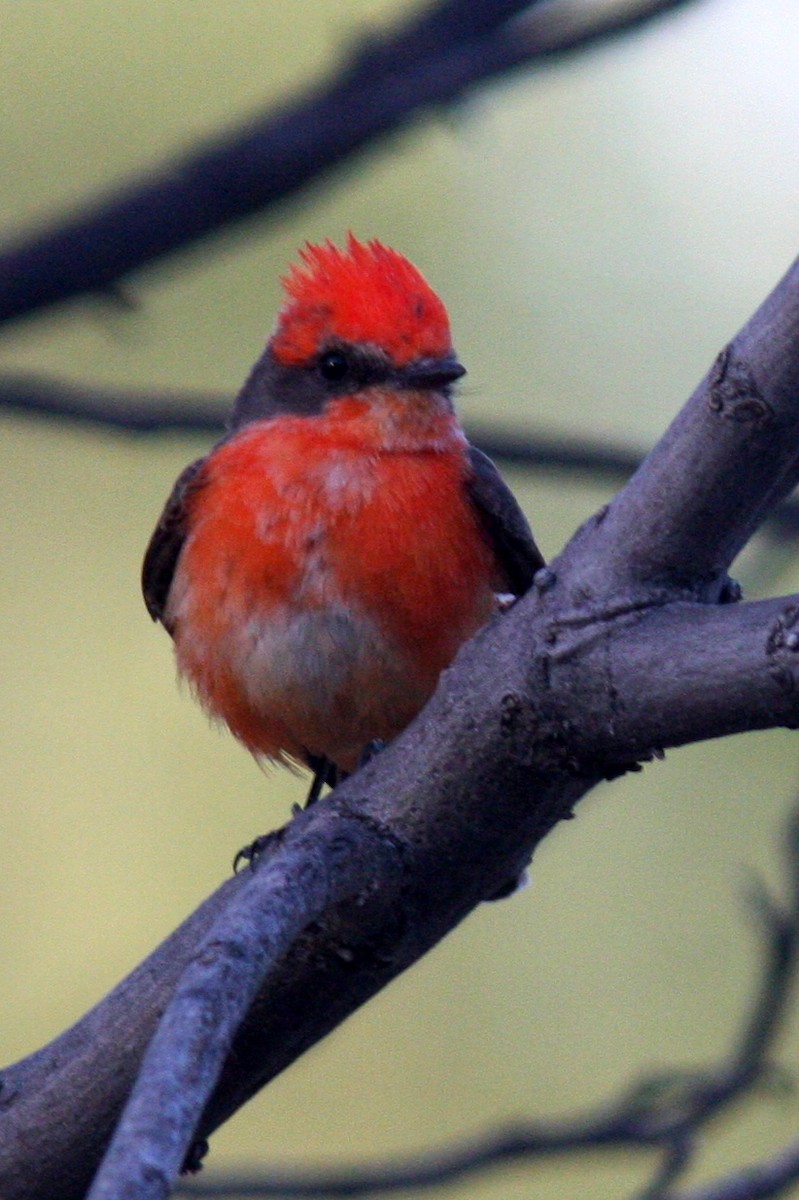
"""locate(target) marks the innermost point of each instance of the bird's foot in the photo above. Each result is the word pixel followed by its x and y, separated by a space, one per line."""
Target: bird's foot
pixel 326 773
pixel 251 853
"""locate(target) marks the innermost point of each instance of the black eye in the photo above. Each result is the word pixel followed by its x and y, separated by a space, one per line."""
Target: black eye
pixel 333 366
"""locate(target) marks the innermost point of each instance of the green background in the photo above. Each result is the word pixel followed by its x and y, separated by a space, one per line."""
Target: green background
pixel 598 230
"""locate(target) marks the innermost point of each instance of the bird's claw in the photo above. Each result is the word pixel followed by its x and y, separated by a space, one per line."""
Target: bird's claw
pixel 252 852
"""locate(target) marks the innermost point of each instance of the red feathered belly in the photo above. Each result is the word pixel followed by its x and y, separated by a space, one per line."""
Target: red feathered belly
pixel 324 587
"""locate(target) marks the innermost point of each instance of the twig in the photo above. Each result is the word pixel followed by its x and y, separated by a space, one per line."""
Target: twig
pixel 133 412
pixel 760 1182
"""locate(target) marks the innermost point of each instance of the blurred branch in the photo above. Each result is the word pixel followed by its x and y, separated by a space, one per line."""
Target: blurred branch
pixel 134 412
pixel 666 1111
pixel 430 62
pixel 768 1178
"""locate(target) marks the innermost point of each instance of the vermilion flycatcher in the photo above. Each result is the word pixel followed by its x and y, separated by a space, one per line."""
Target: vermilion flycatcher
pixel 324 563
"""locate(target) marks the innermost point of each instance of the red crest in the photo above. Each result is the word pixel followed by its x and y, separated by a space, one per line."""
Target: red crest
pixel 366 294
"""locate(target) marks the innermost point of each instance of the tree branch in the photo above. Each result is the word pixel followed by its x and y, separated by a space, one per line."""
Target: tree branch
pixel 759 1182
pixel 124 411
pixel 337 858
pixel 430 62
pixel 679 673
pixel 667 1110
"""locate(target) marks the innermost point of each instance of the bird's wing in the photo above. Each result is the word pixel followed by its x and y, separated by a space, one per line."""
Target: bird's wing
pixel 504 522
pixel 167 541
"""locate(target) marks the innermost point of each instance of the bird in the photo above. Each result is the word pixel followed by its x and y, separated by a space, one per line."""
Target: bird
pixel 324 563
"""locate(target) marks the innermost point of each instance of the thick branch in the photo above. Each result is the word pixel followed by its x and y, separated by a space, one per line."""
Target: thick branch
pixel 428 63
pixel 668 1110
pixel 674 674
pixel 77 1084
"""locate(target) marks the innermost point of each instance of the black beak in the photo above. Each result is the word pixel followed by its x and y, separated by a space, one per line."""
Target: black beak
pixel 431 373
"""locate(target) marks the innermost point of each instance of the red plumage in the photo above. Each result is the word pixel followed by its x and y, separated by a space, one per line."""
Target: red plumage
pixel 367 294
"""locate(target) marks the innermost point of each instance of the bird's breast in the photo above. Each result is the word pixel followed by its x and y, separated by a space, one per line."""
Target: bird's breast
pixel 327 581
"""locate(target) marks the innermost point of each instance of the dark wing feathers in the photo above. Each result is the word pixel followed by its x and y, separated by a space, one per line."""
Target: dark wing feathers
pixel 504 523
pixel 167 541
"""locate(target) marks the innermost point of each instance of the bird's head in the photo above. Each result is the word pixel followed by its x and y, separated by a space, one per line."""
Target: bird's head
pixel 353 319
